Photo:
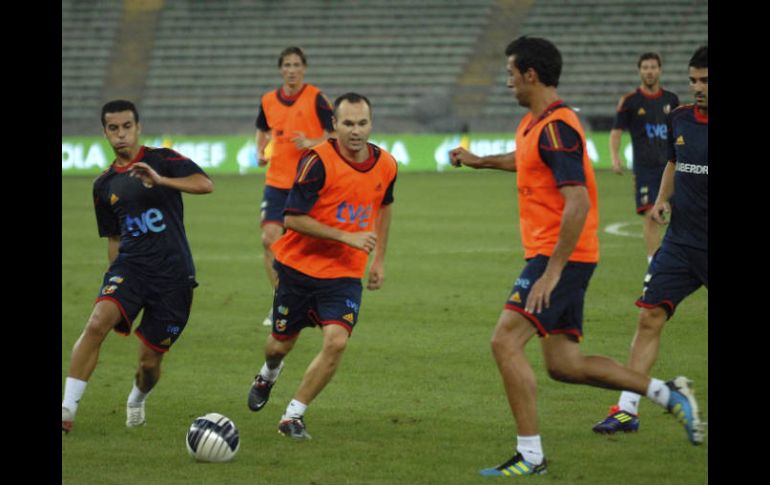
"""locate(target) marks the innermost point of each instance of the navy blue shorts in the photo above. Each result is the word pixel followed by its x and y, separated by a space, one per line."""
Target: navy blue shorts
pixel 273 202
pixel 646 186
pixel 303 301
pixel 166 309
pixel 565 314
pixel 674 273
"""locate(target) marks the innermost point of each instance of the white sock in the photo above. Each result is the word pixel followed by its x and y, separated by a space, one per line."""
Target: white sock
pixel 137 396
pixel 73 391
pixel 629 402
pixel 530 448
pixel 294 410
pixel 269 374
pixel 658 392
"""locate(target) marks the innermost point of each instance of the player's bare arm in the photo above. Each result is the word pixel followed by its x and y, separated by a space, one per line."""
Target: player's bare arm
pixel 365 241
pixel 615 136
pixel 382 229
pixel 263 138
pixel 576 206
pixel 113 244
pixel 460 156
pixel 662 206
pixel 192 184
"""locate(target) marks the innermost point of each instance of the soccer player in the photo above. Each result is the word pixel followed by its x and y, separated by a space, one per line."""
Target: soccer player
pixel 337 212
pixel 643 113
pixel 138 203
pixel 558 213
pixel 291 119
pixel 680 266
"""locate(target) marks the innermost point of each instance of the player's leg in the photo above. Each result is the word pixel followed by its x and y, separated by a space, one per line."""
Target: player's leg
pixel 291 303
pixel 651 233
pixel 146 377
pixel 565 363
pixel 275 351
pixel 318 374
pixel 271 232
pixel 668 281
pixel 271 224
pixel 509 340
pixel 323 367
pixel 646 184
pixel 85 355
pixel 166 313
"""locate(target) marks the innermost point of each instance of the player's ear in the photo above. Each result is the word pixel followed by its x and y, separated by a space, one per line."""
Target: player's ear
pixel 138 128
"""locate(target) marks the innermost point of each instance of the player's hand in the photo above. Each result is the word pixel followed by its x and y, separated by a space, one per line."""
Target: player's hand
pixel 460 156
pixel 659 211
pixel 376 277
pixel 617 167
pixel 261 160
pixel 365 241
pixel 300 141
pixel 146 174
pixel 540 295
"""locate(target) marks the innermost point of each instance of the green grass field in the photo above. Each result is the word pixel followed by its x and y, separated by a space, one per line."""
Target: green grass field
pixel 418 399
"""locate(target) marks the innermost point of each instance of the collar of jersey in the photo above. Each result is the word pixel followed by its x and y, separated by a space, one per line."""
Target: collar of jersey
pixel 286 99
pixel 125 168
pixel 657 94
pixel 364 166
pixel 700 118
pixel 550 109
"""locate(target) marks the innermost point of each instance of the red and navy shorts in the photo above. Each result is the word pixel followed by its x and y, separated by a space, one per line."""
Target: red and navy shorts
pixel 166 309
pixel 675 272
pixel 273 202
pixel 565 313
pixel 646 187
pixel 304 301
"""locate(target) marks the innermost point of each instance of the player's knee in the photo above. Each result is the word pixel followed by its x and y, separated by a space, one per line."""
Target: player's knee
pixel 97 326
pixel 336 344
pixel 504 347
pixel 562 371
pixel 270 234
pixel 651 320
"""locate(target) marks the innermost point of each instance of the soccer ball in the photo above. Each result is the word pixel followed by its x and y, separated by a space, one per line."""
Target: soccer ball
pixel 213 438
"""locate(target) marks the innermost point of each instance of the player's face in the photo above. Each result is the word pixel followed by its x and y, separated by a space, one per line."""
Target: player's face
pixel 122 131
pixel 699 85
pixel 649 72
pixel 516 82
pixel 293 71
pixel 353 124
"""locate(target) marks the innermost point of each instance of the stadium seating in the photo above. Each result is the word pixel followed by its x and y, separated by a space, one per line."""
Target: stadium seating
pixel 601 40
pixel 208 62
pixel 88 31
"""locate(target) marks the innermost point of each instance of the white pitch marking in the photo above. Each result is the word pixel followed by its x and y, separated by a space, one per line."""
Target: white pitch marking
pixel 619 229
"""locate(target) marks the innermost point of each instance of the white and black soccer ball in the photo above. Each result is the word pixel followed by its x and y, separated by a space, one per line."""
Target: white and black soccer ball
pixel 213 438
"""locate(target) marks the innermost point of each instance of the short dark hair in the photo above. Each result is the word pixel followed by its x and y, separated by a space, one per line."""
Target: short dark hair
pixel 117 106
pixel 649 55
pixel 538 54
pixel 352 98
pixel 289 51
pixel 700 59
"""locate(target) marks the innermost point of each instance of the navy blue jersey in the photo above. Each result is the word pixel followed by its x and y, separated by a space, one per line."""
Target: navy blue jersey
pixel 689 148
pixel 149 221
pixel 644 117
